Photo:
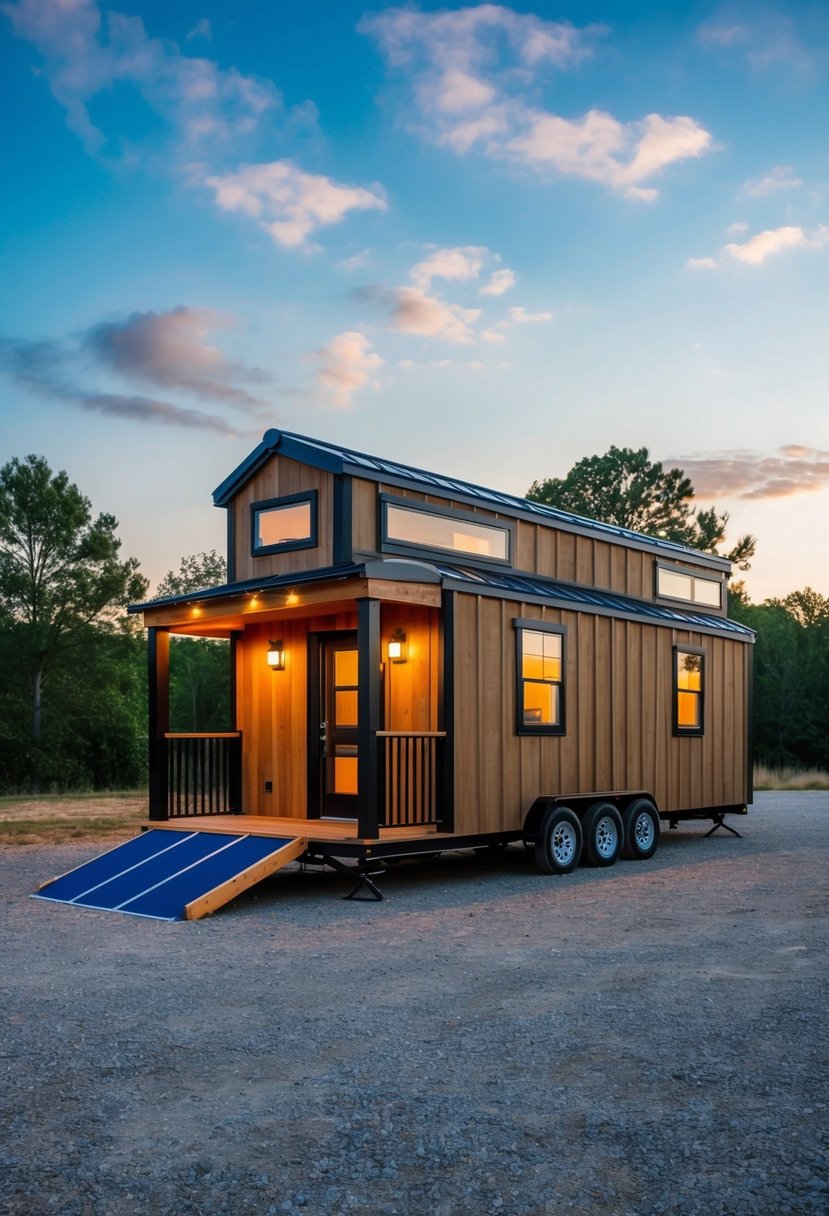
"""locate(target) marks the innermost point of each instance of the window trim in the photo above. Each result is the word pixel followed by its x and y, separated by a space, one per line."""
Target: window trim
pixel 413 549
pixel 693 575
pixel 520 624
pixel 688 732
pixel 286 500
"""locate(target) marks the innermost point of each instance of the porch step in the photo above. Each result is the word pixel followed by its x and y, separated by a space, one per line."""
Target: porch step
pixel 175 875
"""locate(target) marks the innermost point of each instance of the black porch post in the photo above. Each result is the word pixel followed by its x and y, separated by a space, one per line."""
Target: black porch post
pixel 158 671
pixel 368 715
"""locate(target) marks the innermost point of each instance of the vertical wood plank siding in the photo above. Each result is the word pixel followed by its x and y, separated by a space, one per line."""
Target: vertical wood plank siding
pixel 276 479
pixel 273 716
pixel 539 548
pixel 619 717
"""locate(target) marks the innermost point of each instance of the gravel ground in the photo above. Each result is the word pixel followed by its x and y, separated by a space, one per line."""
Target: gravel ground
pixel 645 1039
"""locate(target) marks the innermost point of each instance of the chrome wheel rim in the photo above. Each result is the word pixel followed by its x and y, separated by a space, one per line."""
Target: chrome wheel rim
pixel 643 831
pixel 564 843
pixel 607 838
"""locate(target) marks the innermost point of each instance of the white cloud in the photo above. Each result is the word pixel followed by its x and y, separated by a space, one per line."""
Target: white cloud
pixel 415 312
pixel 501 281
pixel 202 29
pixel 756 249
pixel 459 264
pixel 493 336
pixel 475 74
pixel 737 228
pixel 781 177
pixel 520 316
pixel 346 365
pixel 288 203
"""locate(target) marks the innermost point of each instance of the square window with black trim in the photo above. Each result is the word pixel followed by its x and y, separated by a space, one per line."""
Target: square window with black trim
pixel 689 691
pixel 279 525
pixel 541 664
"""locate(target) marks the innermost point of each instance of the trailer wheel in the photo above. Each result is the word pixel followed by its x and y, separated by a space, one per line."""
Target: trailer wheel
pixel 603 834
pixel 641 824
pixel 558 850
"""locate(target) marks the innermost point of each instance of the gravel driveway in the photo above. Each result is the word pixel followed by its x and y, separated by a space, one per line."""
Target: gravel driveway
pixel 645 1039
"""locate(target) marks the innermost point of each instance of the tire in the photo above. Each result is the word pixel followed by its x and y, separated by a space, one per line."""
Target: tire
pixel 641 827
pixel 558 850
pixel 603 834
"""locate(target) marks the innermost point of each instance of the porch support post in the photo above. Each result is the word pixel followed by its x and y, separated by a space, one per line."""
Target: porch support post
pixel 158 672
pixel 368 716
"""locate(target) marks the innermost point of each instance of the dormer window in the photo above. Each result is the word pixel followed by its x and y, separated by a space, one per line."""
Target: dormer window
pixel 279 525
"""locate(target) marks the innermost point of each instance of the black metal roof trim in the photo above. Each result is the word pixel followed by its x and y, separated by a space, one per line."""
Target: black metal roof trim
pixel 336 459
pixel 604 603
pixel 252 585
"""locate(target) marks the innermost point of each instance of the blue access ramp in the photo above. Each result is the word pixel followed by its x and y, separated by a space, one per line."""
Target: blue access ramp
pixel 172 875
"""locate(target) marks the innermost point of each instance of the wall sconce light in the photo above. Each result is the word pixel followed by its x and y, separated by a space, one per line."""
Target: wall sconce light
pixel 276 656
pixel 398 648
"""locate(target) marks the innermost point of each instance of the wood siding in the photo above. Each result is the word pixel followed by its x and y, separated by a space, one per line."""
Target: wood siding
pixel 281 476
pixel 273 705
pixel 540 548
pixel 619 695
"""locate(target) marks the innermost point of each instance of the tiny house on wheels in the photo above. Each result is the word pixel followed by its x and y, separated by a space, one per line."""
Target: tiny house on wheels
pixel 421 664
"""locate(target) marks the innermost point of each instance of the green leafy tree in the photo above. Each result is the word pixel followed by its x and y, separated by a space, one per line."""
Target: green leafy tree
pixel 199 667
pixel 791 676
pixel 62 582
pixel 626 488
pixel 195 573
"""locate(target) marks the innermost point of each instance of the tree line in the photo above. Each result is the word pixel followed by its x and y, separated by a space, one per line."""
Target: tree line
pixel 73 698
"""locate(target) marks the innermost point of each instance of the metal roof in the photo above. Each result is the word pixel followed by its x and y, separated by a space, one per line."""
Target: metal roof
pixel 570 595
pixel 337 459
pixel 462 578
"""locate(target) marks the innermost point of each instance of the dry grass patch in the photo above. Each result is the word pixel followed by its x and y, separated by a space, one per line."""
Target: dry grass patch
pixel 60 818
pixel 787 778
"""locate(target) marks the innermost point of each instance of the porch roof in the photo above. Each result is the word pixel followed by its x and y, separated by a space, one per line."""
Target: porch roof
pixel 334 458
pixel 506 584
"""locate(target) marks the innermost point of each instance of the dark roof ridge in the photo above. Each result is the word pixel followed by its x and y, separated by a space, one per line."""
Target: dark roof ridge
pixel 338 459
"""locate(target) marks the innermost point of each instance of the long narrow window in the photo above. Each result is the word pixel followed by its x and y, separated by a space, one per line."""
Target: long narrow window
pixel 673 583
pixel 541 664
pixel 413 528
pixel 689 691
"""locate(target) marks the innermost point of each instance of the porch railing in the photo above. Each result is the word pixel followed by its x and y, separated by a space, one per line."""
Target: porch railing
pixel 204 774
pixel 411 777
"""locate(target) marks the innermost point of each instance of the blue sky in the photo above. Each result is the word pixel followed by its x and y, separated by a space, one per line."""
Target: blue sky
pixel 487 240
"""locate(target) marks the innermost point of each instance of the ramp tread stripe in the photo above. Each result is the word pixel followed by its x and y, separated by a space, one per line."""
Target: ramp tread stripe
pixel 123 887
pixel 168 900
pixel 74 882
pixel 129 870
pixel 219 848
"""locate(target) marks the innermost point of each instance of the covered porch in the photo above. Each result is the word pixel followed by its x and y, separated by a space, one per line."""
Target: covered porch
pixel 339 716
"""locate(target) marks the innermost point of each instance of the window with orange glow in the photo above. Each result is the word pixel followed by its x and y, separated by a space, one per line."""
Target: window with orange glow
pixel 689 688
pixel 540 685
pixel 282 524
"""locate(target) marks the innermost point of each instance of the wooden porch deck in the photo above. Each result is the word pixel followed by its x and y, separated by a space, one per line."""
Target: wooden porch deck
pixel 316 831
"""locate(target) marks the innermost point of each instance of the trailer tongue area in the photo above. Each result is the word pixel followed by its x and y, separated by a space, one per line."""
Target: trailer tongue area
pixel 178 875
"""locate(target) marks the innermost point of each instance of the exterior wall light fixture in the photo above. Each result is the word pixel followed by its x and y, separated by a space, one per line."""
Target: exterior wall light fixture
pixel 276 656
pixel 398 647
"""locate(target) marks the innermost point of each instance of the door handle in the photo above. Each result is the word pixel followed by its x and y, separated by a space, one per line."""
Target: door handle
pixel 324 738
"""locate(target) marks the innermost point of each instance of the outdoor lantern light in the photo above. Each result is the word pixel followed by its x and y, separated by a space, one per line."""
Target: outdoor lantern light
pixel 276 656
pixel 397 647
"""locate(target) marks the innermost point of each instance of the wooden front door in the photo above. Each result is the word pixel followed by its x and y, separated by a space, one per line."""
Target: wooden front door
pixel 335 744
